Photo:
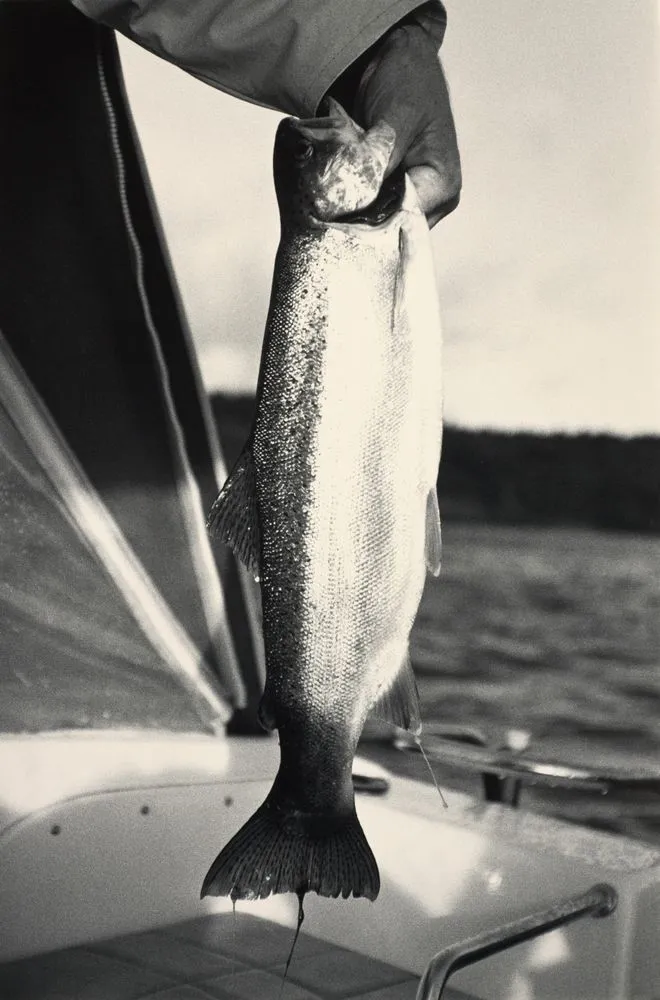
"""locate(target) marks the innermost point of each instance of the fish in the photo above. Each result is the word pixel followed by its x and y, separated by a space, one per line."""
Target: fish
pixel 332 503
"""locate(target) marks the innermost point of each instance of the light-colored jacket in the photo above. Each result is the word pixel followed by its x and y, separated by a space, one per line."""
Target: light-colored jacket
pixel 283 54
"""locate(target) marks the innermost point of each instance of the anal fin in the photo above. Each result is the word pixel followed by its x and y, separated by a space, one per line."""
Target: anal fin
pixel 433 533
pixel 399 703
pixel 234 517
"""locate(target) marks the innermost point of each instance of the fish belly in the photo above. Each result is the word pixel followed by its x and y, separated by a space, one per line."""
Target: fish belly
pixel 346 451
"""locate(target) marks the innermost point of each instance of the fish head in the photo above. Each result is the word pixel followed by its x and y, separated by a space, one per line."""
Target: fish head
pixel 328 167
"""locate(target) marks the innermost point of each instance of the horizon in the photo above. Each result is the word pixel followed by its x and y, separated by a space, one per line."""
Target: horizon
pixel 547 270
pixel 249 396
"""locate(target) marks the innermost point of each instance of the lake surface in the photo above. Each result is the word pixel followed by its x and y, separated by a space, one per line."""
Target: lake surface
pixel 555 633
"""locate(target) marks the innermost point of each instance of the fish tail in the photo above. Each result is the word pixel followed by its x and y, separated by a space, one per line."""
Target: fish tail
pixel 286 850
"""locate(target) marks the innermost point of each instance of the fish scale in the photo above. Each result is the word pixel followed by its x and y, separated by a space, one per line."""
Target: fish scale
pixel 338 476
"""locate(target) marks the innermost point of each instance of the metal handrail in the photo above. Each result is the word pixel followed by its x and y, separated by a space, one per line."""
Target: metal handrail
pixel 599 901
pixel 508 768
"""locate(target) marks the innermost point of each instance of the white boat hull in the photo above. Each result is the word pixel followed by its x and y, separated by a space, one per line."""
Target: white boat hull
pixel 103 835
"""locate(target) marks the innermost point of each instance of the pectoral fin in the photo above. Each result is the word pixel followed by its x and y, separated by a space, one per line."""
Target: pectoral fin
pixel 433 534
pixel 234 517
pixel 399 703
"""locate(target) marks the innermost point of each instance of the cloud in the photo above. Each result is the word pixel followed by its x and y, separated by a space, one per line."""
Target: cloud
pixel 547 271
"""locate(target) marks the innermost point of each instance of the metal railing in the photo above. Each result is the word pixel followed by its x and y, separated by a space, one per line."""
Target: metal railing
pixel 505 770
pixel 599 901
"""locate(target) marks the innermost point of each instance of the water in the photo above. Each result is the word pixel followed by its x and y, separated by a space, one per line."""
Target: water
pixel 555 632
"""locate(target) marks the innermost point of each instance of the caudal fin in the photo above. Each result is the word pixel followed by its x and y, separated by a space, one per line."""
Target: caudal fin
pixel 279 851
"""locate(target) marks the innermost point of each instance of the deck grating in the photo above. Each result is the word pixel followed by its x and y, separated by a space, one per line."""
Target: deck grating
pixel 80 974
pixel 245 938
pixel 257 983
pixel 155 951
pixel 344 973
pixel 218 957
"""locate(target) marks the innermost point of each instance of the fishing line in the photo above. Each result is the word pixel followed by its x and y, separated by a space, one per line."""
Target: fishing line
pixel 428 764
pixel 301 917
pixel 234 939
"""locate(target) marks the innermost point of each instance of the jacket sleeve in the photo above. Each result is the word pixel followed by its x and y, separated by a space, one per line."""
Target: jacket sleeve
pixel 282 54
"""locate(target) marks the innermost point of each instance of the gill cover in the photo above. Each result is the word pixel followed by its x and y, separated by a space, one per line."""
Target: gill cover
pixel 328 167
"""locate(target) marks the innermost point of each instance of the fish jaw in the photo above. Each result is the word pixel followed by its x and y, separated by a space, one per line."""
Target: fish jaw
pixel 328 167
pixel 352 179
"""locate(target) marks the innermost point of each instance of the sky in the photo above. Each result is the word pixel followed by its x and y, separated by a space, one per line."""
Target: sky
pixel 548 272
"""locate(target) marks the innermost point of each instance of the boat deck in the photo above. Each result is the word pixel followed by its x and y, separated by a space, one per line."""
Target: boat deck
pixel 217 957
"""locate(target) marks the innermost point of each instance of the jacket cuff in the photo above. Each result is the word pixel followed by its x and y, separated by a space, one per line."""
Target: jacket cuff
pixel 431 16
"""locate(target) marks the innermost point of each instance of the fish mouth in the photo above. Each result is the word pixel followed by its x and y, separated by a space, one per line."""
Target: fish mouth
pixel 387 203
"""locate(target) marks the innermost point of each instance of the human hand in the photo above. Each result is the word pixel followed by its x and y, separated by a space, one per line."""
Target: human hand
pixel 402 82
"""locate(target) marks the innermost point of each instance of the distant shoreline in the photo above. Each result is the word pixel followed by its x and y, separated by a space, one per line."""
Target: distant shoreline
pixel 594 480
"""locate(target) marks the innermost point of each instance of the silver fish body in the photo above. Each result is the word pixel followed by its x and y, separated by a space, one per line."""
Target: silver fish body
pixel 333 505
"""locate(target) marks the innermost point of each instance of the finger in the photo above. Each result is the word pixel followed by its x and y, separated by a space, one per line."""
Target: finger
pixel 437 195
pixel 390 90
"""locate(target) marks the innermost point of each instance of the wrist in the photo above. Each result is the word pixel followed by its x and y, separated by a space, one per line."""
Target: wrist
pixel 350 87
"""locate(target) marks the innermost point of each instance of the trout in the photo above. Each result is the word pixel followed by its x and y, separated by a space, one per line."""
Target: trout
pixel 332 503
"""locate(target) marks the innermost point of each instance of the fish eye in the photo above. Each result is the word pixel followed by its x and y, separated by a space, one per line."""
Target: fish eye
pixel 303 151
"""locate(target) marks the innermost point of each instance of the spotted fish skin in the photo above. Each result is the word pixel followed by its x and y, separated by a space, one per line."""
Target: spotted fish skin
pixel 340 468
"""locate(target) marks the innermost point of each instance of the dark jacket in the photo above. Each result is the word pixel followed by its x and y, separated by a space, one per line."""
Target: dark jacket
pixel 282 54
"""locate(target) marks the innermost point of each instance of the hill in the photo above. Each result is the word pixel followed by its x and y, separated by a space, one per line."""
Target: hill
pixel 596 480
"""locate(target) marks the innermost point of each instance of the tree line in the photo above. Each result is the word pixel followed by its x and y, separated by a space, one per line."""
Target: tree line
pixel 595 480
